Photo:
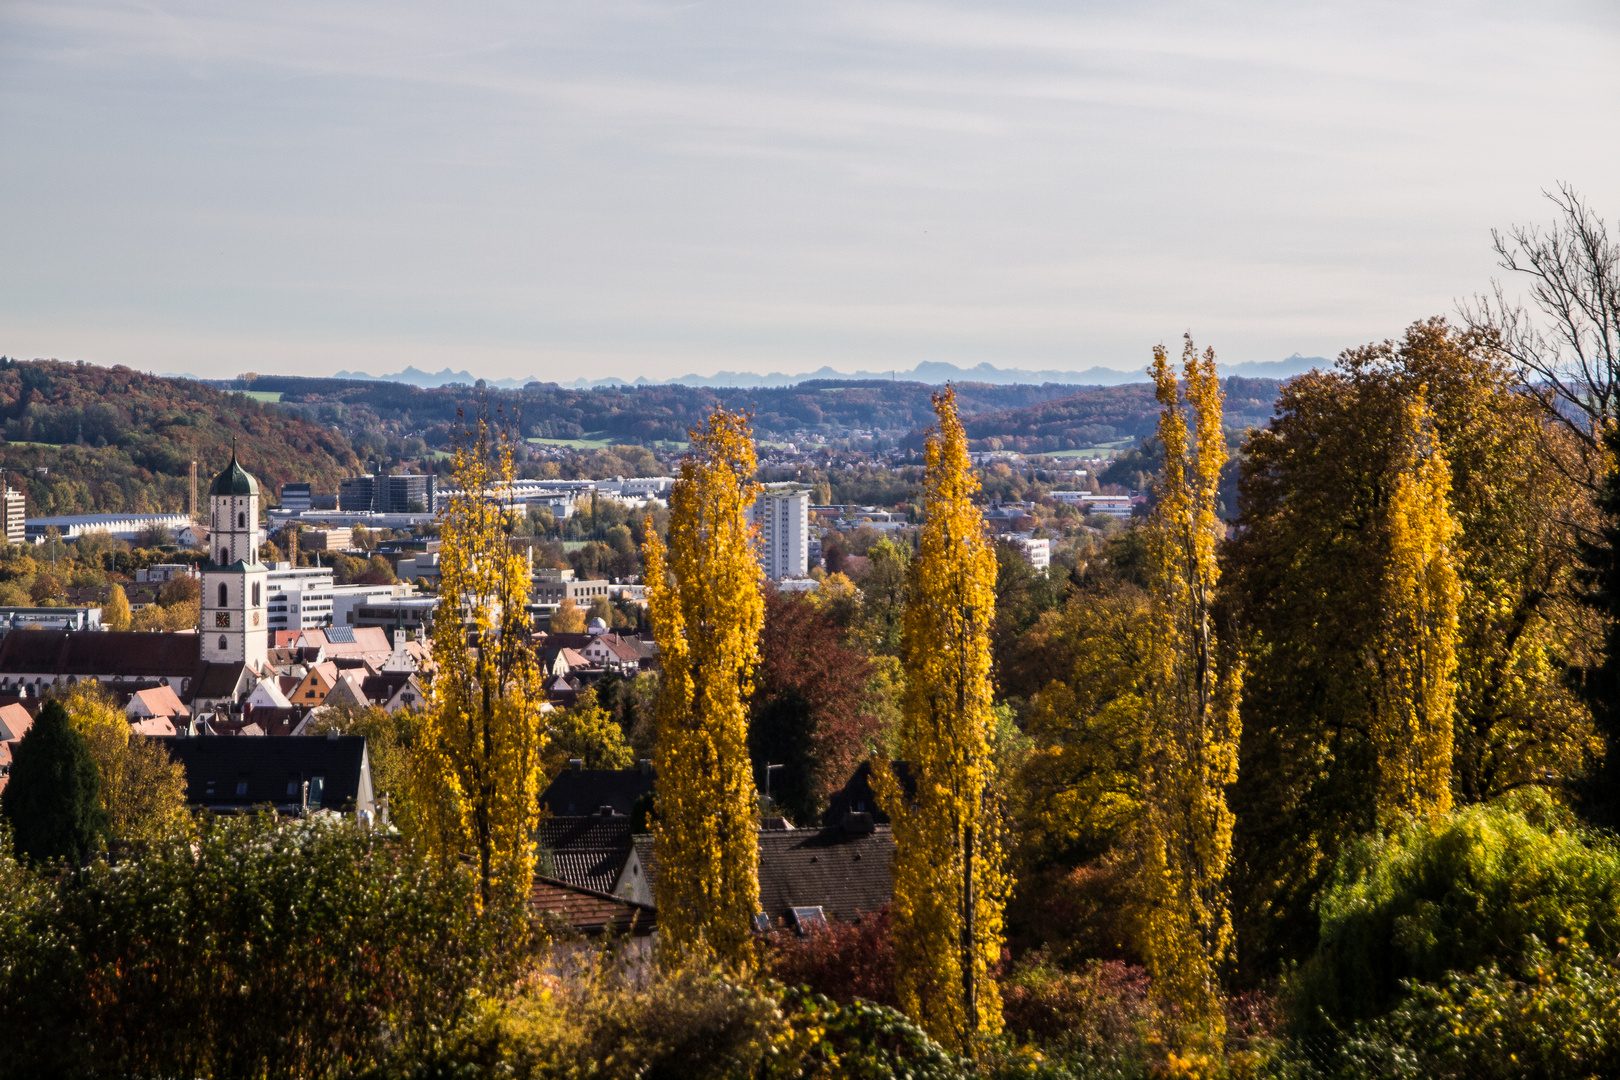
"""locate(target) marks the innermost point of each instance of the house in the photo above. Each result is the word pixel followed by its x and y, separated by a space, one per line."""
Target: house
pixel 580 791
pixel 857 796
pixel 156 726
pixel 15 720
pixel 159 702
pixel 587 851
pixel 843 872
pixel 293 775
pixel 313 688
pixel 271 693
pixel 592 912
pixel 389 690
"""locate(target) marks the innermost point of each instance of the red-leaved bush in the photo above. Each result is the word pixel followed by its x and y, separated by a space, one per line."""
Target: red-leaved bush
pixel 844 961
pixel 1098 1008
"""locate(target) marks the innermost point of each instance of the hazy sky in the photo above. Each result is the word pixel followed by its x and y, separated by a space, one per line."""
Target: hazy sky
pixel 598 188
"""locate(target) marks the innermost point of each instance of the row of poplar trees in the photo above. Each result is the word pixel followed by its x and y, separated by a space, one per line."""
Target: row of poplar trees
pixel 476 773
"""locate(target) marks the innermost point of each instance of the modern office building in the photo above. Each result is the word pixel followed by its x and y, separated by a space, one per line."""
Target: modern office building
pixel 380 493
pixel 782 515
pixel 297 496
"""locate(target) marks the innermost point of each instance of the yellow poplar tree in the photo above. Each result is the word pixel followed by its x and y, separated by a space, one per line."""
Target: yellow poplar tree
pixel 703 593
pixel 475 777
pixel 1190 709
pixel 1416 654
pixel 950 882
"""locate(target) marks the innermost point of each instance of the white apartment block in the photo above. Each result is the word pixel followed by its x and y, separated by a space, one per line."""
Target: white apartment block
pixel 300 597
pixel 782 515
pixel 1038 553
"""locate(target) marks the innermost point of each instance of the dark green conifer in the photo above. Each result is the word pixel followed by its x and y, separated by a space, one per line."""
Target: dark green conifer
pixel 53 799
pixel 1599 684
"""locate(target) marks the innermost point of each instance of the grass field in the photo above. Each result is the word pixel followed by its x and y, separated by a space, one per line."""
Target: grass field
pixel 575 444
pixel 269 397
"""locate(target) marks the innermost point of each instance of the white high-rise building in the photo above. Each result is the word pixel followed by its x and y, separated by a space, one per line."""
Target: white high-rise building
pixel 783 518
pixel 233 581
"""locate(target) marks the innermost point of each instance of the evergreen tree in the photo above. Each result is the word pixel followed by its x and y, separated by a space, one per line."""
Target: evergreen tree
pixel 950 884
pixel 703 589
pixel 53 799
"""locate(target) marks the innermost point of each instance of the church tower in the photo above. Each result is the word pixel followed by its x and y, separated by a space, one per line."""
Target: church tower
pixel 233 580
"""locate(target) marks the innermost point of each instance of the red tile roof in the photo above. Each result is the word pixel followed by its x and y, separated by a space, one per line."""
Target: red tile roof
pixel 592 912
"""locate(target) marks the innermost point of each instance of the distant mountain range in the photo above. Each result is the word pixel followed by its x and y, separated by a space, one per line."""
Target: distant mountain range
pixel 932 372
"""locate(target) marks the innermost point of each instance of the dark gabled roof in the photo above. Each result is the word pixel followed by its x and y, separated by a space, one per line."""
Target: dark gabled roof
pixel 587 851
pixel 846 874
pixel 268 766
pixel 591 911
pixel 235 480
pixel 217 680
pixel 88 653
pixel 857 796
pixel 584 791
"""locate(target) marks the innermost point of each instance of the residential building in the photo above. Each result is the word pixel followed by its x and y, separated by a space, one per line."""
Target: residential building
pixel 1038 553
pixel 163 573
pixel 782 516
pixel 13 515
pixel 295 775
pixel 234 628
pixel 806 876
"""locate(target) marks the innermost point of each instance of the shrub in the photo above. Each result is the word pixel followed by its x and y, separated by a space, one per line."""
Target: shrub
pixel 1104 1009
pixel 1479 888
pixel 1561 1020
pixel 260 946
pixel 53 799
pixel 844 961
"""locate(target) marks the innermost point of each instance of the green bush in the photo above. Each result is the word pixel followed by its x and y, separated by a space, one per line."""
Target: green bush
pixel 1482 887
pixel 1562 1019
pixel 258 947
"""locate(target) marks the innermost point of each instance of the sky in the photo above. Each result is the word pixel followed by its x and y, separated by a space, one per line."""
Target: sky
pixel 566 190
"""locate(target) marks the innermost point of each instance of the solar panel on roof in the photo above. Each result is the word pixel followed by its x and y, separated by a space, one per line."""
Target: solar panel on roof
pixel 340 635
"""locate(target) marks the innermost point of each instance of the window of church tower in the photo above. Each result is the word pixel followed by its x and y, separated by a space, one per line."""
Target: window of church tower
pixel 224 557
pixel 241 521
pixel 224 595
pixel 222 643
pixel 255 594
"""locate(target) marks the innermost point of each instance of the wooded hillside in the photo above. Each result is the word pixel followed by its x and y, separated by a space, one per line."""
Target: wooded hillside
pixel 81 438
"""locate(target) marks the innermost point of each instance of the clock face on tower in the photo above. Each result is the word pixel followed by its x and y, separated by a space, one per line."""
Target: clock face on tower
pixel 222 619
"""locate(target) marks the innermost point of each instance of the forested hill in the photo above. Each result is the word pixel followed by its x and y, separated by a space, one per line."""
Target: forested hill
pixel 644 414
pixel 82 438
pixel 1100 416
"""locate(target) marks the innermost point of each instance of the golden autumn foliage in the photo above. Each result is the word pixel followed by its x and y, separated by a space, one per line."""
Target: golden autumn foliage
pixel 115 614
pixel 568 618
pixel 950 882
pixel 1191 690
pixel 475 774
pixel 585 732
pixel 703 593
pixel 1416 655
pixel 143 792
